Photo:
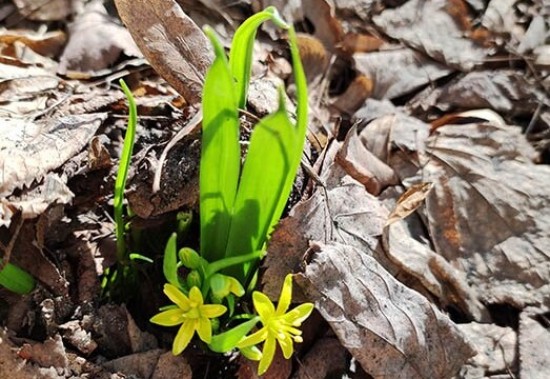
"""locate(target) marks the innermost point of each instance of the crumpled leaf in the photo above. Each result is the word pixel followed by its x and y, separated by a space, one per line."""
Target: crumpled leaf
pixel 96 41
pixel 398 72
pixel 172 43
pixel 52 10
pixel 488 212
pixel 505 91
pixel 29 150
pixel 363 165
pixel 33 203
pixel 496 348
pixel 392 331
pixel 343 211
pixel 431 27
pixel 533 335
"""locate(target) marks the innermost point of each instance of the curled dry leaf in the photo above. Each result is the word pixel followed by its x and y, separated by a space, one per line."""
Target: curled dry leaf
pixel 391 330
pixel 96 41
pixel 409 202
pixel 398 72
pixel 496 348
pixel 364 166
pixel 171 41
pixel 51 10
pixel 505 91
pixel 436 28
pixel 488 211
pixel 29 150
pixel 534 334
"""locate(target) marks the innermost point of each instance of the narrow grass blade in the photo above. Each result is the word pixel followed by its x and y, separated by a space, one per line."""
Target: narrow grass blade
pixel 220 156
pixel 240 56
pixel 122 174
pixel 170 261
pixel 16 279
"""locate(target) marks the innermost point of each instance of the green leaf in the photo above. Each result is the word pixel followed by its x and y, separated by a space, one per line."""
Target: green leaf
pixel 267 169
pixel 240 55
pixel 170 261
pixel 139 257
pixel 122 174
pixel 225 342
pixel 220 156
pixel 16 279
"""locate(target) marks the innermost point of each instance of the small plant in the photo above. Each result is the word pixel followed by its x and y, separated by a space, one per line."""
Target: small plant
pixel 238 209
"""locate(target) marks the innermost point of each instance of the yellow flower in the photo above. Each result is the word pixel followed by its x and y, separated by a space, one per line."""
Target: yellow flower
pixel 277 325
pixel 191 313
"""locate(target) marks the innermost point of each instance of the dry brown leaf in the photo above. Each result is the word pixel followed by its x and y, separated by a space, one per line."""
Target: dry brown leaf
pixel 171 41
pixel 326 359
pixel 392 331
pixel 398 72
pixel 47 44
pixel 505 91
pixel 359 43
pixel 496 348
pixel 534 335
pixel 354 96
pixel 96 41
pixel 344 212
pixel 29 150
pixel 40 10
pixel 430 26
pixel 409 202
pixel 172 367
pixel 364 166
pixel 488 211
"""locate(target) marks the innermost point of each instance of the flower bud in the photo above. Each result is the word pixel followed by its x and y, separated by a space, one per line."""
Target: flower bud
pixel 194 279
pixel 190 258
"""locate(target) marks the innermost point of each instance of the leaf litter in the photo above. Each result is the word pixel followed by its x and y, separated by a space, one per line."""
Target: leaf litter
pixel 419 226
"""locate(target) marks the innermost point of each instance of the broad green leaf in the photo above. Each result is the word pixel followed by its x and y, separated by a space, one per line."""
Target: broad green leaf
pixel 267 168
pixel 16 279
pixel 240 55
pixel 170 261
pixel 220 156
pixel 122 174
pixel 225 342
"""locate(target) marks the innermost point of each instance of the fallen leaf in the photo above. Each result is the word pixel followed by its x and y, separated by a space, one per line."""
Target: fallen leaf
pixel 533 336
pixel 364 166
pixel 391 330
pixel 47 44
pixel 360 88
pixel 488 209
pixel 398 72
pixel 29 150
pixel 141 365
pixel 172 43
pixel 326 359
pixel 409 202
pixel 96 41
pixel 508 92
pixel 343 211
pixel 496 348
pixel 431 27
pixel 172 367
pixel 52 10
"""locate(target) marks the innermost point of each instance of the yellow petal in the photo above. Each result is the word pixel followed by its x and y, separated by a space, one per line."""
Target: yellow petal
pixel 235 286
pixel 195 296
pixel 176 296
pixel 204 329
pixel 286 346
pixel 253 339
pixel 212 310
pixel 171 317
pixel 296 316
pixel 186 332
pixel 286 296
pixel 267 355
pixel 252 353
pixel 263 306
